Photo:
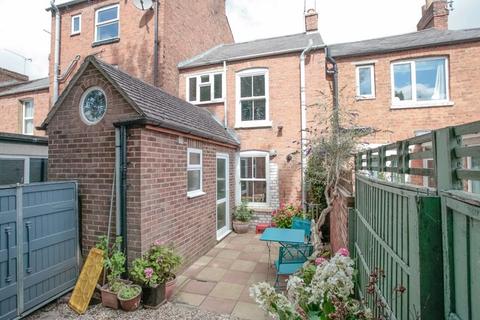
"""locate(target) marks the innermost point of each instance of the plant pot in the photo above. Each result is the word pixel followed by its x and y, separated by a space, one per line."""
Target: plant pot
pixel 109 298
pixel 240 226
pixel 154 297
pixel 170 287
pixel 131 304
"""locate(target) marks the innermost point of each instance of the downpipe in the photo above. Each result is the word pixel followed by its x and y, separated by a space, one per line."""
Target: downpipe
pixel 303 119
pixel 56 61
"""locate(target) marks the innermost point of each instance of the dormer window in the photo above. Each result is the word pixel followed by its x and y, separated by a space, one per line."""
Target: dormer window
pixel 76 24
pixel 205 88
pixel 107 23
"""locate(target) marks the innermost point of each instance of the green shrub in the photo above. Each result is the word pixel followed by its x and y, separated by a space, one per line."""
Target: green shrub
pixel 242 213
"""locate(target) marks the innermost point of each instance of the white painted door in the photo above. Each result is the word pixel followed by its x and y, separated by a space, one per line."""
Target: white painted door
pixel 223 217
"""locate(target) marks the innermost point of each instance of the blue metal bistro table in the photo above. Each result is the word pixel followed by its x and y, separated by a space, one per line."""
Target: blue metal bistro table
pixel 284 237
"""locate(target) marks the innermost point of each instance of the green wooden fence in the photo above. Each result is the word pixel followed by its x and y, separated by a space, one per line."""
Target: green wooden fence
pixel 417 247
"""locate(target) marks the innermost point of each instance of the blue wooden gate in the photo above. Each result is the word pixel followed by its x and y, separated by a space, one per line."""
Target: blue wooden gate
pixel 38 245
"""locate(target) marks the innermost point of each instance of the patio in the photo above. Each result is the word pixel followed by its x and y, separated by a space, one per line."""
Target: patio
pixel 220 280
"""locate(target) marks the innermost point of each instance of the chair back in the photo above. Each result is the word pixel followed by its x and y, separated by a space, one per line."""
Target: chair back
pixel 294 254
pixel 302 224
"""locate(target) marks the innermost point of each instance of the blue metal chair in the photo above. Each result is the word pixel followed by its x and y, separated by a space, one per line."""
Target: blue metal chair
pixel 291 259
pixel 303 224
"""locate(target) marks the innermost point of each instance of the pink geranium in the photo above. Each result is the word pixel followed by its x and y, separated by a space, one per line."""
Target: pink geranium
pixel 320 260
pixel 343 252
pixel 148 272
pixel 157 242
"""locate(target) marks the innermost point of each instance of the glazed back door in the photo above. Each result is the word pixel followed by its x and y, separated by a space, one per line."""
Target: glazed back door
pixel 223 218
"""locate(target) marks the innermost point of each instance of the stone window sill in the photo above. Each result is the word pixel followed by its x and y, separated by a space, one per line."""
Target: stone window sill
pixel 104 42
pixel 195 194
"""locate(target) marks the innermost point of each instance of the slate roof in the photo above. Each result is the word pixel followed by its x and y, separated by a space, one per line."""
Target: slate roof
pixel 253 49
pixel 154 106
pixel 28 86
pixel 22 138
pixel 420 39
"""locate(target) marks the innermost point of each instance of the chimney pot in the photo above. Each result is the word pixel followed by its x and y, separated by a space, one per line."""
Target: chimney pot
pixel 311 20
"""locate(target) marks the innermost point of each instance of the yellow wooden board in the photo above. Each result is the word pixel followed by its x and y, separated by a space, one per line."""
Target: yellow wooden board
pixel 87 281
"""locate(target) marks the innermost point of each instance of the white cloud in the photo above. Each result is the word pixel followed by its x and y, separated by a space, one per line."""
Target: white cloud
pixel 22 23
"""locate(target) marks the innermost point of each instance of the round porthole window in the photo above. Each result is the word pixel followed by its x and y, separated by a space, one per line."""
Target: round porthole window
pixel 93 105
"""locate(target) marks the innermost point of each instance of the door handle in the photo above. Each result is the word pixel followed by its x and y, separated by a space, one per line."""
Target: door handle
pixel 28 225
pixel 8 231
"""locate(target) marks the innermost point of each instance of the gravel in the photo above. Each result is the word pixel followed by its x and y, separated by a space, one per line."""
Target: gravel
pixel 168 311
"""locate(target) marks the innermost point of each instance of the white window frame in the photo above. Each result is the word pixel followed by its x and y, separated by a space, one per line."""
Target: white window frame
pixel 195 167
pixel 372 79
pixel 414 103
pixel 75 32
pixel 211 82
pixel 97 24
pixel 25 118
pixel 238 114
pixel 255 154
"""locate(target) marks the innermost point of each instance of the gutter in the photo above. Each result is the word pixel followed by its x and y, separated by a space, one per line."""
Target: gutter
pixel 303 117
pixel 56 63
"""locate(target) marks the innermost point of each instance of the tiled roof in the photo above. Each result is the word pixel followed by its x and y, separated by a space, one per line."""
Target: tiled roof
pixel 253 49
pixel 156 106
pixel 33 85
pixel 414 40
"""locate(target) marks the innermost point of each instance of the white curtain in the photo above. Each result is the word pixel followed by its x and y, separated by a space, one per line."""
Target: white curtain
pixel 439 93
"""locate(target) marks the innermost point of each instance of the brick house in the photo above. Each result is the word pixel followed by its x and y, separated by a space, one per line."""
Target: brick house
pixel 177 160
pixel 377 76
pixel 144 43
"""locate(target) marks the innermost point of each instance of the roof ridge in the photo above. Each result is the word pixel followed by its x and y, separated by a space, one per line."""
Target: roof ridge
pixel 271 38
pixel 200 55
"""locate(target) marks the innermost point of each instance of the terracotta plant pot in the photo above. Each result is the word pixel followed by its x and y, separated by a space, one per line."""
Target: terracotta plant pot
pixel 131 304
pixel 109 298
pixel 240 226
pixel 170 287
pixel 154 297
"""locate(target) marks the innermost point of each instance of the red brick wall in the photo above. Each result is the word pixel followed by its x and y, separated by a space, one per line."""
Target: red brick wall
pixel 339 219
pixel 185 29
pixel 87 154
pixel 284 110
pixel 167 214
pixel 8 75
pixel 399 124
pixel 11 109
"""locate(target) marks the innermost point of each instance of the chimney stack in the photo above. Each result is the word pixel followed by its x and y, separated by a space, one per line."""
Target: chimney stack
pixel 434 15
pixel 311 20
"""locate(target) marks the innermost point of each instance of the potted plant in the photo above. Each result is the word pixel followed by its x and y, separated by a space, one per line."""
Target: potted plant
pixel 167 262
pixel 114 267
pixel 241 218
pixel 142 273
pixel 283 216
pixel 129 297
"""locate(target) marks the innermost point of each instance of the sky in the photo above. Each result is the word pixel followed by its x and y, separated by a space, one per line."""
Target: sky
pixel 339 21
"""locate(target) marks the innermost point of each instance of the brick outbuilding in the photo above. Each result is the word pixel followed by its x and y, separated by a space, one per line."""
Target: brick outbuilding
pixel 175 162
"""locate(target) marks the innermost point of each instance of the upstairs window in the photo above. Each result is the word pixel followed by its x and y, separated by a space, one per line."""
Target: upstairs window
pixel 27 122
pixel 365 82
pixel 205 88
pixel 252 98
pixel 107 23
pixel 76 24
pixel 422 82
pixel 194 172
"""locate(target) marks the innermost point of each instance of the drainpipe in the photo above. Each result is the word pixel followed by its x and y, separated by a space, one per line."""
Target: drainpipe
pixel 56 63
pixel 225 100
pixel 121 189
pixel 334 71
pixel 156 44
pixel 303 105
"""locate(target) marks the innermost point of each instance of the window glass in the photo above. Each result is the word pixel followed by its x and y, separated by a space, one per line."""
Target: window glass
pixel 192 94
pixel 403 81
pixel 205 93
pixel 247 110
pixel 259 85
pixel 28 109
pixel 94 105
pixel 38 170
pixel 217 86
pixel 107 14
pixel 75 24
pixel 476 183
pixel 107 31
pixel 195 158
pixel 365 81
pixel 28 126
pixel 11 171
pixel 193 180
pixel 431 82
pixel 246 87
pixel 221 216
pixel 253 183
pixel 259 109
pixel 204 79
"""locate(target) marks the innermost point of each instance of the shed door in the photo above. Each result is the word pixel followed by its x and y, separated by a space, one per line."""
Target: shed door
pixel 223 218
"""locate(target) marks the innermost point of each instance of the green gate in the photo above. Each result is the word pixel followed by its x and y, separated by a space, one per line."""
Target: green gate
pixel 415 229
